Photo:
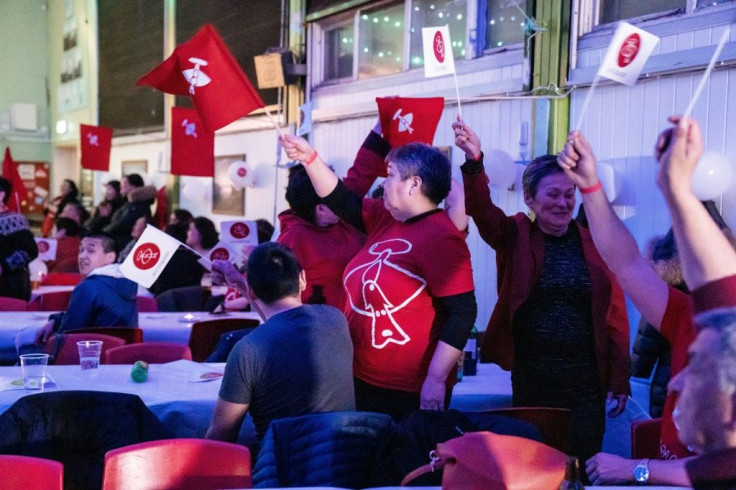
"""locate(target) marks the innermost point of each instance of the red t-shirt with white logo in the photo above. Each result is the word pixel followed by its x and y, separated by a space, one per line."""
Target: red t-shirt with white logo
pixel 391 283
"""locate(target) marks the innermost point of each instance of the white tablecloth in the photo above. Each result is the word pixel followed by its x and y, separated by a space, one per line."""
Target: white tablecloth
pixel 18 328
pixel 185 407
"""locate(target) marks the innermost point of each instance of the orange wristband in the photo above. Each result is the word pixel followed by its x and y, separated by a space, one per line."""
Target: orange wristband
pixel 311 158
pixel 592 188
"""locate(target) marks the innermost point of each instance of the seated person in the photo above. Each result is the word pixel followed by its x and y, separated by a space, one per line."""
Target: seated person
pixel 103 299
pixel 76 212
pixel 299 361
pixel 68 238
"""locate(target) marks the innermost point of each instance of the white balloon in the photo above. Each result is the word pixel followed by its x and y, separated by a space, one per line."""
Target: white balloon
pixel 241 175
pixel 607 175
pixel 501 169
pixel 712 176
pixel 193 191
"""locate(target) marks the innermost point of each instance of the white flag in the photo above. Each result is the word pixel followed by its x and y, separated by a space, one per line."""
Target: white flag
pixel 628 52
pixel 151 253
pixel 438 59
pixel 226 251
pixel 46 248
pixel 245 232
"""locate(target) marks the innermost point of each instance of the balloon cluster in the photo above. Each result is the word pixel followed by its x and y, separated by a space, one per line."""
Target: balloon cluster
pixel 712 176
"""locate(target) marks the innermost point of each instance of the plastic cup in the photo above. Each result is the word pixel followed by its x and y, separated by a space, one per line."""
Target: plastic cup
pixel 34 370
pixel 89 354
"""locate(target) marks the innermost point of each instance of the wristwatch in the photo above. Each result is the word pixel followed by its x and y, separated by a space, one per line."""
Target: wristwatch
pixel 641 472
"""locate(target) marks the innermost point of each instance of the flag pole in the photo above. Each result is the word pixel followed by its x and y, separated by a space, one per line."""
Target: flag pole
pixel 457 93
pixel 706 75
pixel 586 103
pixel 273 121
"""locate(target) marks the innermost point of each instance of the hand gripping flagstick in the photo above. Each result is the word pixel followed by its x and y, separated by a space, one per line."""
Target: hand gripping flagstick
pixel 706 75
pixel 625 58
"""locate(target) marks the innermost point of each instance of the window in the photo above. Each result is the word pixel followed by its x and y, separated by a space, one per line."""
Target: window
pixel 435 13
pixel 614 10
pixel 381 41
pixel 709 3
pixel 505 22
pixel 339 46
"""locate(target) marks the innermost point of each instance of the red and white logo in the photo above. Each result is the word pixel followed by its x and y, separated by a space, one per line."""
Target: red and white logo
pixel 43 246
pixel 220 253
pixel 242 172
pixel 146 256
pixel 239 231
pixel 439 47
pixel 629 49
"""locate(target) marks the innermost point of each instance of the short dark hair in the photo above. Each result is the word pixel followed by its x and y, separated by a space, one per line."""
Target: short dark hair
pixel 135 180
pixel 7 188
pixel 538 169
pixel 273 272
pixel 208 235
pixel 427 163
pixel 300 193
pixel 73 190
pixel 183 216
pixel 107 242
pixel 178 231
pixel 265 230
pixel 70 226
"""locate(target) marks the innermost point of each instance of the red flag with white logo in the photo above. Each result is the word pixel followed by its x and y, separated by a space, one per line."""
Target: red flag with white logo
pixel 19 193
pixel 95 142
pixel 407 120
pixel 192 146
pixel 626 55
pixel 205 69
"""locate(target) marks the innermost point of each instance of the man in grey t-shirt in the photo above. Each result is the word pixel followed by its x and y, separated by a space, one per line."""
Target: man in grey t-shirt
pixel 299 361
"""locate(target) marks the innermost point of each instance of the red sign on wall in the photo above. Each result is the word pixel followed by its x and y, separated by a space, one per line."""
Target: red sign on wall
pixel 36 179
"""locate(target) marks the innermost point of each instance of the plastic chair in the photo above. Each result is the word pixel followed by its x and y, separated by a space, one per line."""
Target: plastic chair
pixel 206 334
pixel 54 301
pixel 61 279
pixel 645 435
pixel 146 304
pixel 178 463
pixel 151 352
pixel 12 304
pixel 23 472
pixel 128 334
pixel 553 423
pixel 63 346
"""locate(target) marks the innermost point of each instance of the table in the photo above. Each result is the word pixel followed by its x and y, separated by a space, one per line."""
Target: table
pixel 18 328
pixel 184 407
pixel 35 293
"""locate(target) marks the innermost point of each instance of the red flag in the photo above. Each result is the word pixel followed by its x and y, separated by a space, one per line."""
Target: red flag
pixel 95 142
pixel 192 146
pixel 19 194
pixel 407 120
pixel 204 68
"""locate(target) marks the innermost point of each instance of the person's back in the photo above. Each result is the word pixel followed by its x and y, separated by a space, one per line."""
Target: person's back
pixel 298 362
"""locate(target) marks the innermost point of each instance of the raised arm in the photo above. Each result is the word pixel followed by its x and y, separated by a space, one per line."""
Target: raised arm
pixel 323 178
pixel 705 253
pixel 612 239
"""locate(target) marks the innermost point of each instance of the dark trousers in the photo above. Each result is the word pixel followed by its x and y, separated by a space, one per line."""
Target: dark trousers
pixel 398 404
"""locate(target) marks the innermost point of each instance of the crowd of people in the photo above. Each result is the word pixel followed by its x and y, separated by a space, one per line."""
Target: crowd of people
pixel 367 302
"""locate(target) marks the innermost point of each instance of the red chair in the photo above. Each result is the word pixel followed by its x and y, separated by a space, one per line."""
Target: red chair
pixel 61 279
pixel 151 352
pixel 53 301
pixel 146 304
pixel 645 436
pixel 206 334
pixel 23 472
pixel 63 346
pixel 128 334
pixel 178 463
pixel 12 304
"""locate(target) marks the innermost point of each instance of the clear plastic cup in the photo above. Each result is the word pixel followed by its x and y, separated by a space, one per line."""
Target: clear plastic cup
pixel 89 354
pixel 34 370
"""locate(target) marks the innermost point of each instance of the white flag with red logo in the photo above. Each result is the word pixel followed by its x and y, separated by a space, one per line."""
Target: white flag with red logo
pixel 151 253
pixel 243 232
pixel 438 59
pixel 226 251
pixel 628 52
pixel 46 248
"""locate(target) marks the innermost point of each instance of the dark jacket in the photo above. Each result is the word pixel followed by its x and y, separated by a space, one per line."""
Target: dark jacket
pixel 713 471
pixel 77 428
pixel 103 299
pixel 17 250
pixel 121 223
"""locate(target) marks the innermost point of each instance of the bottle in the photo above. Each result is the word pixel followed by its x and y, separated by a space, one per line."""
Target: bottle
pixel 572 479
pixel 470 354
pixel 139 373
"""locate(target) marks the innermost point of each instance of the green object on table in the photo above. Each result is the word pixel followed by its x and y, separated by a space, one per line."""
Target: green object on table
pixel 139 373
